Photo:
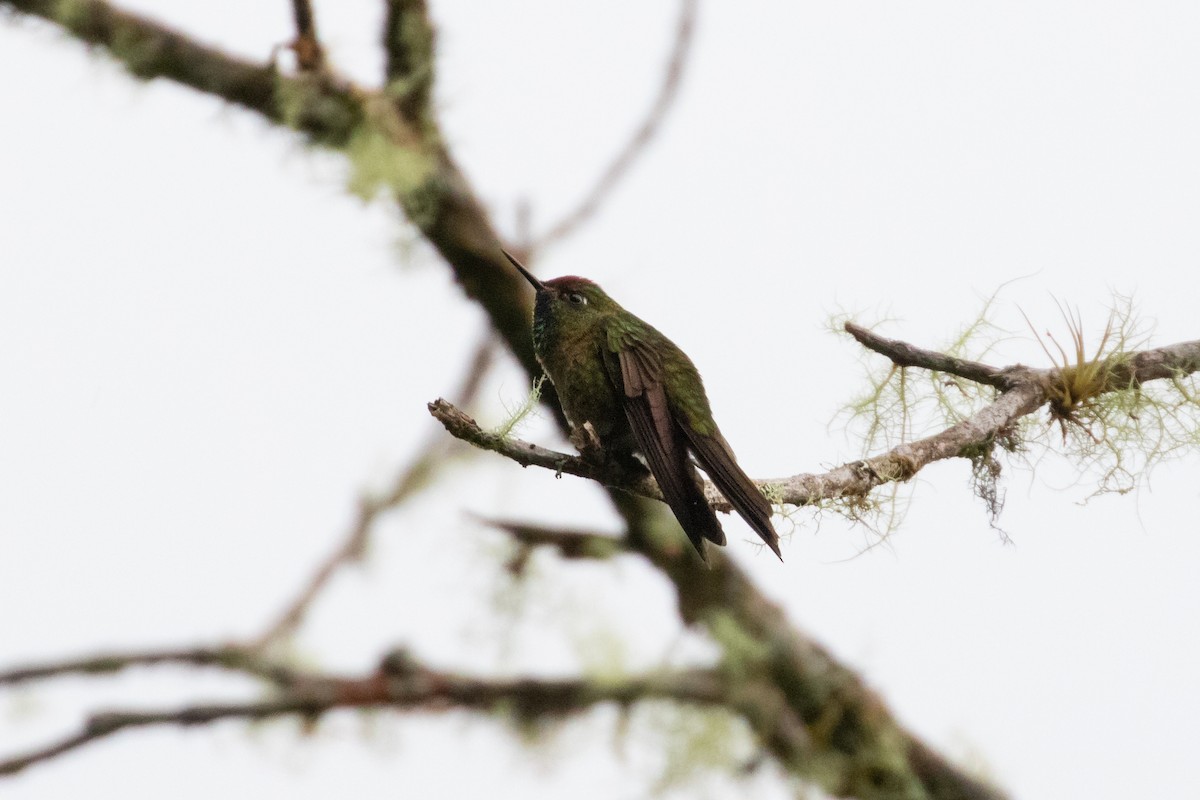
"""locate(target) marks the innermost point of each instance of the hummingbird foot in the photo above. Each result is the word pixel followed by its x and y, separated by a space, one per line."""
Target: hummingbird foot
pixel 587 442
pixel 591 449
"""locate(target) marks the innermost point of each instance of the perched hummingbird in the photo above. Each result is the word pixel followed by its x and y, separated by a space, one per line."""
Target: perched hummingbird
pixel 642 394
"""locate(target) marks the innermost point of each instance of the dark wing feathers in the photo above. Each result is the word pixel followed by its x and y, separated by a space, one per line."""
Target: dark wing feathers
pixel 717 459
pixel 638 375
pixel 665 443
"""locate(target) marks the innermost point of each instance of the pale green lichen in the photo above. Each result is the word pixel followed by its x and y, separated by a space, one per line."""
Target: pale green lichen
pixel 140 54
pixel 73 15
pixel 293 96
pixel 773 492
pixel 378 162
pixel 519 414
pixel 743 655
pixel 905 403
pixel 601 648
pixel 695 744
pixel 901 405
pixel 1116 436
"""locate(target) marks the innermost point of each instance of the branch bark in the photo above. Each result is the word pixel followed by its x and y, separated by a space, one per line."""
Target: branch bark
pixel 234 659
pixel 569 544
pixel 400 683
pixel 903 354
pixel 1024 391
pixel 307 46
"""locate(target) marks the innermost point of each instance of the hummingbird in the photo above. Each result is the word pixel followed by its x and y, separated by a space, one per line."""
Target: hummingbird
pixel 641 394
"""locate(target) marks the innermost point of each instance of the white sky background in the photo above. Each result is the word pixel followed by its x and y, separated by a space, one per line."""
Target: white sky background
pixel 207 349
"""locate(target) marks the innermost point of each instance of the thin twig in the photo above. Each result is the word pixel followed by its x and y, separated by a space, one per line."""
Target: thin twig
pixel 904 354
pixel 571 544
pixel 309 53
pixel 433 455
pixel 462 426
pixel 235 659
pixel 408 41
pixel 668 91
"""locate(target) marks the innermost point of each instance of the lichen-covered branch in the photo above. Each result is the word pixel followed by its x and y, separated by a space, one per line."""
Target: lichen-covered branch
pixel 408 50
pixel 401 683
pixel 1161 363
pixel 326 110
pixel 1025 390
pixel 389 142
pixel 858 749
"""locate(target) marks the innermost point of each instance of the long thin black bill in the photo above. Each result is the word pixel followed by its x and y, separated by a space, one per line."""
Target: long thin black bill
pixel 520 268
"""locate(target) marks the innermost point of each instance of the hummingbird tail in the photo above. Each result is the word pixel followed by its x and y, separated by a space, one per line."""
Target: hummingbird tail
pixel 716 458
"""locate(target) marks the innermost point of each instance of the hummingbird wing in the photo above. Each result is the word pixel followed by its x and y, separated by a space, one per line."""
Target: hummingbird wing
pixel 637 374
pixel 717 460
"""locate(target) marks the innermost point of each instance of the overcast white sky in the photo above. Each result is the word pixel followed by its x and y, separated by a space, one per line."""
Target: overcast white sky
pixel 208 349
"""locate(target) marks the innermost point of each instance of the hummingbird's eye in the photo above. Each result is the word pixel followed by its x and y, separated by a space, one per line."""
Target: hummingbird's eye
pixel 576 299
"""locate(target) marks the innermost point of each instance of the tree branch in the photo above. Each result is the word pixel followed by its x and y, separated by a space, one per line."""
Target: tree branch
pixel 309 53
pixel 642 135
pixel 400 683
pixel 234 659
pixel 858 748
pixel 903 354
pixel 1170 362
pixel 409 65
pixel 325 110
pixel 462 426
pixel 570 544
pixel 1025 392
pixel 334 112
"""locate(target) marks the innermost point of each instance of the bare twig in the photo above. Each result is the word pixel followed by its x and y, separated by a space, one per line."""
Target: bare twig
pixel 642 135
pixel 309 53
pixel 904 354
pixel 569 543
pixel 462 426
pixel 432 456
pixel 234 659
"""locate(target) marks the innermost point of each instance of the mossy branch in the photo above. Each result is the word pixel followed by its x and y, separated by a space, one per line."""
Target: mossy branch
pixel 401 683
pixel 1024 390
pixel 391 143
